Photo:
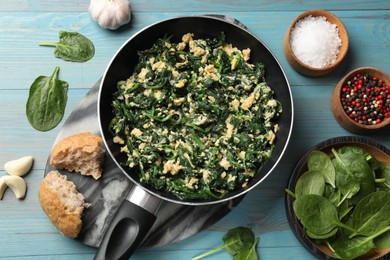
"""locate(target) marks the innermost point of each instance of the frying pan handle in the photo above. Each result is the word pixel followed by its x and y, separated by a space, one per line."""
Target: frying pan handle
pixel 129 226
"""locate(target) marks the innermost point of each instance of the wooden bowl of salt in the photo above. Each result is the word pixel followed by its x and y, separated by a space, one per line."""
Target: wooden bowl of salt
pixel 316 43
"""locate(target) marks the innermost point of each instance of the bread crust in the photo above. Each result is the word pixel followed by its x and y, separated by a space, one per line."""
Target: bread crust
pixel 82 153
pixel 66 221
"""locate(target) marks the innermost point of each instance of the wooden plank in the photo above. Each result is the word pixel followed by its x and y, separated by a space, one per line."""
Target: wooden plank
pixel 368 44
pixel 195 5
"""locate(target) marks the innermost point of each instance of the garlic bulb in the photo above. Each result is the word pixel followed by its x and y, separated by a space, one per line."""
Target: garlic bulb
pixel 110 14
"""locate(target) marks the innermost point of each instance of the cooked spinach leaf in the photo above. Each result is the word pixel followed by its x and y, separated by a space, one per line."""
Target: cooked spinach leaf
pixel 47 101
pixel 195 119
pixel 72 46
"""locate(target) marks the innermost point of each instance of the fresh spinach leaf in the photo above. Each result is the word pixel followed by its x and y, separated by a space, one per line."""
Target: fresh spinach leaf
pixel 235 241
pixel 350 248
pixel 383 171
pixel 346 248
pixel 310 182
pixel 382 241
pixel 47 101
pixel 344 211
pixel 317 214
pixel 372 161
pixel 248 253
pixel 372 213
pixel 238 238
pixel 345 180
pixel 354 171
pixel 320 161
pixel 334 196
pixel 72 46
pixel 321 237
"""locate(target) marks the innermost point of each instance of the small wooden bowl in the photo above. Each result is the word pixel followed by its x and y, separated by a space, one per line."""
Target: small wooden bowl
pixel 308 70
pixel 321 251
pixel 341 116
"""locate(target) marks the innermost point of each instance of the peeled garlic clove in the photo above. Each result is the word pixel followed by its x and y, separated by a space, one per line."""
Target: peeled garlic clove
pixel 20 166
pixel 110 14
pixel 3 187
pixel 17 185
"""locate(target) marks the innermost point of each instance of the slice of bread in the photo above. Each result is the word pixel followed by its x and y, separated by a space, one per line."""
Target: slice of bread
pixel 82 153
pixel 62 203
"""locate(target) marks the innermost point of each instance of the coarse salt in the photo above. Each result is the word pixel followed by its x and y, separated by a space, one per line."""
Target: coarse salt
pixel 315 41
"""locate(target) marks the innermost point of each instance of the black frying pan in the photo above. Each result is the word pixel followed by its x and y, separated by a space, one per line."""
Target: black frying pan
pixel 136 215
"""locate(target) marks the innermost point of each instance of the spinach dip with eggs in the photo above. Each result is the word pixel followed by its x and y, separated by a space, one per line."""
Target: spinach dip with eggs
pixel 195 119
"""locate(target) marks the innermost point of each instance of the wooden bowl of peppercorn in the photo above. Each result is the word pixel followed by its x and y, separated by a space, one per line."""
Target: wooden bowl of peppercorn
pixel 316 43
pixel 361 101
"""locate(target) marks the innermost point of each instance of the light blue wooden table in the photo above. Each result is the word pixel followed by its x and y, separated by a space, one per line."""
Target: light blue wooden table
pixel 25 231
